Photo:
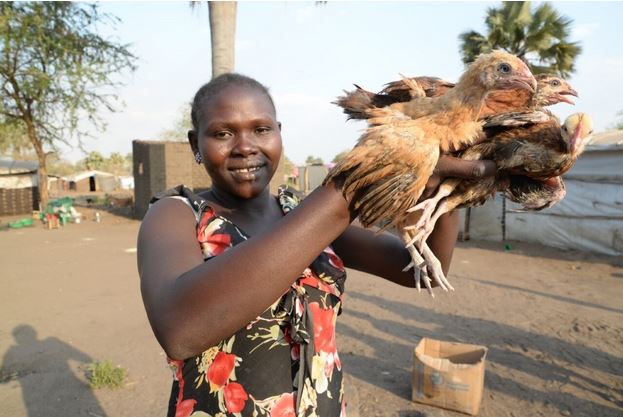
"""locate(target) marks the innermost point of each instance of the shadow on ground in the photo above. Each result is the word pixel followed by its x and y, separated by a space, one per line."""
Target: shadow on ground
pixel 42 368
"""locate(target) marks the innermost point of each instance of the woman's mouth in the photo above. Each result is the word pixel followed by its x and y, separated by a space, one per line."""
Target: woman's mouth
pixel 246 170
pixel 248 173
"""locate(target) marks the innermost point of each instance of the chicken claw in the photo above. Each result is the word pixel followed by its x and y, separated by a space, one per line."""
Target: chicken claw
pixel 435 268
pixel 419 268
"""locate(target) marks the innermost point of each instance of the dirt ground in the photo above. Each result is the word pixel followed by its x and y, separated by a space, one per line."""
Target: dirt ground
pixel 552 321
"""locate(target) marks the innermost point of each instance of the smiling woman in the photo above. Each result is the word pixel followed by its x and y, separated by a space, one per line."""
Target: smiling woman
pixel 242 297
pixel 236 135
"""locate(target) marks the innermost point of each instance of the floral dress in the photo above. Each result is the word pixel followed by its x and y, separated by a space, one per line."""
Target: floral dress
pixel 284 363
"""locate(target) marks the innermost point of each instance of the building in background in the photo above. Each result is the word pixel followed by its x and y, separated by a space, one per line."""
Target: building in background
pixel 90 181
pixel 19 186
pixel 310 177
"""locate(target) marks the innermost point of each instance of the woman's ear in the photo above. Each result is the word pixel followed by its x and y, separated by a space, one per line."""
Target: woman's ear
pixel 192 141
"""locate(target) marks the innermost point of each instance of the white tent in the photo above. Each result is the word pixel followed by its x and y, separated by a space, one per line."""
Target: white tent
pixel 590 218
pixel 18 174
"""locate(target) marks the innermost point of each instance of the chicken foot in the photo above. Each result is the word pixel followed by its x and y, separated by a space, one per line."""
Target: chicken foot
pixel 430 204
pixel 425 265
pixel 429 226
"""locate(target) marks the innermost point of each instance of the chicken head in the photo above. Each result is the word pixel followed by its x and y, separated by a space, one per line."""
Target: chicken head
pixel 499 70
pixel 576 132
pixel 552 89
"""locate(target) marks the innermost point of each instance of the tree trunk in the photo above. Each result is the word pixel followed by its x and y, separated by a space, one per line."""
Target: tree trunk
pixel 42 171
pixel 223 35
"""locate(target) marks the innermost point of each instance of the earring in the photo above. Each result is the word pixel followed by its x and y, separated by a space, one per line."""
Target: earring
pixel 198 157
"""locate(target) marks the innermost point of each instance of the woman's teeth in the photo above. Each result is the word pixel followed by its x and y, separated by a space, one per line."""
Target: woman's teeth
pixel 252 169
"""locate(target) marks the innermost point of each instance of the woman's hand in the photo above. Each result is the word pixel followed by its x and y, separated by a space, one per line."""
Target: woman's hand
pixel 450 166
pixel 446 231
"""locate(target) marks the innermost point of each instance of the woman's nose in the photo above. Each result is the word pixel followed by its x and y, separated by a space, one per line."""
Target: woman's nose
pixel 246 144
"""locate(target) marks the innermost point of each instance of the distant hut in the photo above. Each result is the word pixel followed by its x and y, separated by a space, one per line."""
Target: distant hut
pixel 310 177
pixel 19 186
pixel 89 181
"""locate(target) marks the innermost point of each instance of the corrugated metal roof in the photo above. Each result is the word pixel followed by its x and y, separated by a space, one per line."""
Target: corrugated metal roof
pixel 611 137
pixel 11 166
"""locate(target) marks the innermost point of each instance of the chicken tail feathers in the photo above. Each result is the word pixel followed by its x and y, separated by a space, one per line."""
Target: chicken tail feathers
pixel 355 104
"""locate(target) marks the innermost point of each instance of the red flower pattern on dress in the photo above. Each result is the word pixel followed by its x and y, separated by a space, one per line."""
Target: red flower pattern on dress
pixel 206 219
pixel 185 408
pixel 235 397
pixel 334 260
pixel 220 369
pixel 216 244
pixel 324 329
pixel 284 406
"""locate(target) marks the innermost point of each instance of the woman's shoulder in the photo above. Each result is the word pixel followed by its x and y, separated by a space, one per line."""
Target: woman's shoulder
pixel 173 207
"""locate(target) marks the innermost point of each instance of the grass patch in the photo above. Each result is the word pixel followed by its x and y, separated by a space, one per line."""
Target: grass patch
pixel 105 374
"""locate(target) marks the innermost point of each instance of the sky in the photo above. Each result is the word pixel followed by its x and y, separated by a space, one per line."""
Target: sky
pixel 308 53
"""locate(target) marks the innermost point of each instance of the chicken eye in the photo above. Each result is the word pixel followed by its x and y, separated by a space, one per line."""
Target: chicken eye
pixel 504 68
pixel 564 128
pixel 554 83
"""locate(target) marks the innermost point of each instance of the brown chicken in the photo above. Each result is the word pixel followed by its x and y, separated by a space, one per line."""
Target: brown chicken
pixel 539 150
pixel 551 89
pixel 385 173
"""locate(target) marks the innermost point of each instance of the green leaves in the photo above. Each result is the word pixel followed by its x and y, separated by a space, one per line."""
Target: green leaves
pixel 539 37
pixel 57 72
pixel 55 69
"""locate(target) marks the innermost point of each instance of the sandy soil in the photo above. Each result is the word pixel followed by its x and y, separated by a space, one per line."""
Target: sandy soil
pixel 551 320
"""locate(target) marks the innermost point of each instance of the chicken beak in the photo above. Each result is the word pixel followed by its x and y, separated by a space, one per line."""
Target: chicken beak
pixel 568 92
pixel 524 81
pixel 573 142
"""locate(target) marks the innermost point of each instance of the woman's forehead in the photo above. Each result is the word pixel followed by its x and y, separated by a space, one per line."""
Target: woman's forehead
pixel 235 92
pixel 236 98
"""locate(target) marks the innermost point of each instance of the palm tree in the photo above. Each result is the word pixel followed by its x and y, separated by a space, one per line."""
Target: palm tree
pixel 223 35
pixel 539 37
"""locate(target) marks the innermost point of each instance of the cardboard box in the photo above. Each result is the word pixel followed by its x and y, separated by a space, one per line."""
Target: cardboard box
pixel 449 375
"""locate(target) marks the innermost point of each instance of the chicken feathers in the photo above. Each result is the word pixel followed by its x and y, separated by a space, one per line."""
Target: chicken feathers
pixel 402 145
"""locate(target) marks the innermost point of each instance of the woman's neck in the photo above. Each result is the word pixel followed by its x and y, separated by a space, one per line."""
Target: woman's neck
pixel 229 202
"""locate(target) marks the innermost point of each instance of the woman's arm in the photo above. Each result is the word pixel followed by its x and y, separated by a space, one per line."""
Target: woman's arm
pixel 385 255
pixel 192 304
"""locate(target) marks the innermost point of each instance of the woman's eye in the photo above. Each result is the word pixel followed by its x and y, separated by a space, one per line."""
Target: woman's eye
pixel 262 130
pixel 222 134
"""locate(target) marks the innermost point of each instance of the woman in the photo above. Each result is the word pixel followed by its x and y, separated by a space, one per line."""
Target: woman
pixel 243 298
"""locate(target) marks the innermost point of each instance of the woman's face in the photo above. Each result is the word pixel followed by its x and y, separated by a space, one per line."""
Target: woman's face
pixel 239 140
